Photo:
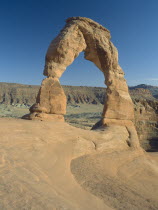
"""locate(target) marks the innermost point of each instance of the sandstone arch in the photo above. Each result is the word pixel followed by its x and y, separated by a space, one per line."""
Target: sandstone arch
pixel 83 34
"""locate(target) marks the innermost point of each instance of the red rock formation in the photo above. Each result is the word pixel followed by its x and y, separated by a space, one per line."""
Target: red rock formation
pixel 82 34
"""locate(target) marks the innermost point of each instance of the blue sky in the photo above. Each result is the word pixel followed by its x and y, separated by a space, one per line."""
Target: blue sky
pixel 28 26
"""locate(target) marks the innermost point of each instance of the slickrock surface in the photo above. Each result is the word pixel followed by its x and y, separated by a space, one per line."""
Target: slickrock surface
pixel 52 165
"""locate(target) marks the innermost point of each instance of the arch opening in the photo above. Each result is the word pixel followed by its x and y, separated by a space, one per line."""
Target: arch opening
pixel 82 73
pixel 85 100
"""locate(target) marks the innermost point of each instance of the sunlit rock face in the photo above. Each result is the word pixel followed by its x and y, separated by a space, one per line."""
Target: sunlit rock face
pixel 83 34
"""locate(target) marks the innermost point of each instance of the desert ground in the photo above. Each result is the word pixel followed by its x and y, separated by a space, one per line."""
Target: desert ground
pixel 54 165
pixel 82 115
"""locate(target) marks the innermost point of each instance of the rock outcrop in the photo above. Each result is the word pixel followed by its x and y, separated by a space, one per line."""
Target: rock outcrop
pixel 83 34
pixel 146 122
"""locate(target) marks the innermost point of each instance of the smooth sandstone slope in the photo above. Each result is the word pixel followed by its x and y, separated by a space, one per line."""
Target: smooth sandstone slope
pixel 52 165
pixel 35 167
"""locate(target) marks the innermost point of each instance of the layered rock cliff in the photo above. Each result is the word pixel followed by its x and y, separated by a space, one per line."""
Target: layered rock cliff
pixel 11 93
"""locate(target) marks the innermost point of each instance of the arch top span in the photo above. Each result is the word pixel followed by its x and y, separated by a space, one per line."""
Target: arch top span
pixel 90 22
pixel 80 34
pixel 83 34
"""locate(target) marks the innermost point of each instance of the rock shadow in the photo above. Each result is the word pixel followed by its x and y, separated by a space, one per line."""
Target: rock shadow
pixel 153 142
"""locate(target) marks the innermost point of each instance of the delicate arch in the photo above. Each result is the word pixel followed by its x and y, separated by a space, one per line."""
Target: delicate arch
pixel 83 34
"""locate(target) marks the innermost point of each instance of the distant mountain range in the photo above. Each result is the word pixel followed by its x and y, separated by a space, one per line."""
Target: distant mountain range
pixel 12 93
pixel 152 89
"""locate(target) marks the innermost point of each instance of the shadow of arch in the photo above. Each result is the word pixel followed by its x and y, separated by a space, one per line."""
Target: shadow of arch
pixel 153 143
